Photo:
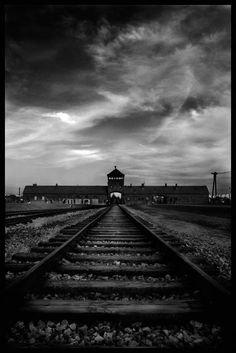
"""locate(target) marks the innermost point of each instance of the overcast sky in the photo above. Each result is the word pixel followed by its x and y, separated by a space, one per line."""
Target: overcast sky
pixel 144 88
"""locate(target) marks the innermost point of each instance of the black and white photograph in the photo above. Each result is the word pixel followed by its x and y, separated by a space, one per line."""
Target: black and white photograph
pixel 118 178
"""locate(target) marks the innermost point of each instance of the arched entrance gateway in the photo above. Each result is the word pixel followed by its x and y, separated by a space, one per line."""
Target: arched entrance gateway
pixel 115 197
pixel 115 182
pixel 159 199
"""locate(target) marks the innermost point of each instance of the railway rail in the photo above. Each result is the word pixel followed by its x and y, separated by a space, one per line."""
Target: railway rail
pixel 112 282
pixel 12 218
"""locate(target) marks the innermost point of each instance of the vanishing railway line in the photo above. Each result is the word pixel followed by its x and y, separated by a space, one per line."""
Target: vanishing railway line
pixel 112 268
pixel 12 218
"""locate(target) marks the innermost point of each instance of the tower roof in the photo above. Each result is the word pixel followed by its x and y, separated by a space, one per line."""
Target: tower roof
pixel 115 173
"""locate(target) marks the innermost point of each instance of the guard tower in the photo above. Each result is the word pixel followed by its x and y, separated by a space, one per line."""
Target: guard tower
pixel 115 181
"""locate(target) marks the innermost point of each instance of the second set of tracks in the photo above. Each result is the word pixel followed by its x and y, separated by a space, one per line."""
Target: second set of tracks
pixel 13 218
pixel 112 268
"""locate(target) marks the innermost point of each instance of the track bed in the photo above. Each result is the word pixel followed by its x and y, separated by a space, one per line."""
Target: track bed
pixel 113 283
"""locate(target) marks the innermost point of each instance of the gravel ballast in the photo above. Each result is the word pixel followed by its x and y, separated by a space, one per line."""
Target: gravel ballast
pixel 211 244
pixel 192 334
pixel 21 237
pixel 91 277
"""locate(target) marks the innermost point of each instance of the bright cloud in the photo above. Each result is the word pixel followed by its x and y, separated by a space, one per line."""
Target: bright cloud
pixel 145 90
pixel 66 118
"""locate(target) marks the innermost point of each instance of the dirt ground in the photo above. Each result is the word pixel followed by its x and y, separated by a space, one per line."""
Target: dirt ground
pixel 210 236
pixel 20 237
pixel 33 205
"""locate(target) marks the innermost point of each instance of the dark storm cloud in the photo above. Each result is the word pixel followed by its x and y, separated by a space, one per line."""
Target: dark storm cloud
pixel 135 122
pixel 197 25
pixel 136 86
pixel 198 103
pixel 48 44
pixel 47 74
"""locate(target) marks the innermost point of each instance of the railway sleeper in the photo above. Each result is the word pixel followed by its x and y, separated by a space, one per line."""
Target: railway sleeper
pixel 113 270
pixel 110 286
pixel 90 309
pixel 116 230
pixel 105 243
pixel 115 226
pixel 80 258
pixel 115 221
pixel 96 250
pixel 15 267
pixel 124 231
pixel 28 257
pixel 116 237
pixel 110 244
pixel 111 258
pixel 100 249
pixel 159 312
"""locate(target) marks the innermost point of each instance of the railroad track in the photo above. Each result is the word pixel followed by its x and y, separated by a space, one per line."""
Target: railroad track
pixel 113 283
pixel 13 218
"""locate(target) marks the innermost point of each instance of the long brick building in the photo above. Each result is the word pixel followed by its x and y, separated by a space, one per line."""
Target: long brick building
pixel 116 190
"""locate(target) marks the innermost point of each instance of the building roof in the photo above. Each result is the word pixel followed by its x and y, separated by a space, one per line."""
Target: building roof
pixel 64 189
pixel 162 190
pixel 102 190
pixel 115 173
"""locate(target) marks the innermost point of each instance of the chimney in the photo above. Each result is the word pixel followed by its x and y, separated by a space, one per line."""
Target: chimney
pixel 131 185
pixel 165 184
pixel 34 184
pixel 142 185
pixel 56 184
pixel 175 186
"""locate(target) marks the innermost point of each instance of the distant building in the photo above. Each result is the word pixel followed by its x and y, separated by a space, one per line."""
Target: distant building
pixel 116 191
pixel 12 198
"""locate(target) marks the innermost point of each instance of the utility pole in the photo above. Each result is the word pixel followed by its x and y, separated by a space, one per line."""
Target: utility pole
pixel 19 191
pixel 214 187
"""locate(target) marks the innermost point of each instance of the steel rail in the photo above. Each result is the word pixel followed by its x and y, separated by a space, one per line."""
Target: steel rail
pixel 22 217
pixel 26 281
pixel 208 286
pixel 47 210
pixel 91 309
